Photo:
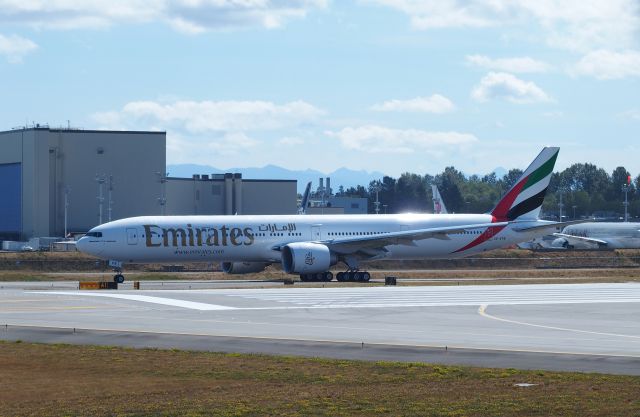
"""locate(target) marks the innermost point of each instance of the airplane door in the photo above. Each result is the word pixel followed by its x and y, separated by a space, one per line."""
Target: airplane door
pixel 315 233
pixel 132 236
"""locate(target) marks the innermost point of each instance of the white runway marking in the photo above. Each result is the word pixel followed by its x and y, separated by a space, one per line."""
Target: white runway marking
pixel 445 296
pixel 483 312
pixel 387 297
pixel 147 299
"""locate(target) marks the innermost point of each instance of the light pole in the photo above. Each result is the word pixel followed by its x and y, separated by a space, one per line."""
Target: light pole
pixel 560 207
pixel 376 203
pixel 67 190
pixel 574 212
pixel 162 200
pixel 110 191
pixel 100 179
pixel 625 190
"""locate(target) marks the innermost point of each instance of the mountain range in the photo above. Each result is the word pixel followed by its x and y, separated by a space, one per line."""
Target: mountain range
pixel 343 176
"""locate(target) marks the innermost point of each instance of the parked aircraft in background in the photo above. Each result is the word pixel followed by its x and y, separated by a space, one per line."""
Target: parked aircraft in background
pixel 599 235
pixel 438 203
pixel 590 235
pixel 309 245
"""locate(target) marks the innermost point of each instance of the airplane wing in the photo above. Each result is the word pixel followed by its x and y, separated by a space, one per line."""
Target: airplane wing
pixel 550 225
pixel 582 239
pixel 374 244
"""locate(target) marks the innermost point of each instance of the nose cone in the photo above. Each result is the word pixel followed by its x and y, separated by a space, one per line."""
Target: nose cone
pixel 83 245
pixel 87 246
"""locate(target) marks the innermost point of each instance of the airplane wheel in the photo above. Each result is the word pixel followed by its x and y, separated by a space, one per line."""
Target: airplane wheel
pixel 119 278
pixel 303 277
pixel 366 276
pixel 328 276
pixel 340 277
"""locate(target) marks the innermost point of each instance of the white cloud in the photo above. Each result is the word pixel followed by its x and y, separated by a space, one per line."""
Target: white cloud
pixel 200 130
pixel 212 116
pixel 501 85
pixel 633 114
pixel 16 47
pixel 378 139
pixel 553 114
pixel 433 14
pixel 609 65
pixel 190 16
pixel 433 104
pixel 518 64
pixel 569 24
pixel 290 141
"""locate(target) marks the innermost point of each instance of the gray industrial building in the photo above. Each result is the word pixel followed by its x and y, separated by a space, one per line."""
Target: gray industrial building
pixel 324 202
pixel 52 178
pixel 230 194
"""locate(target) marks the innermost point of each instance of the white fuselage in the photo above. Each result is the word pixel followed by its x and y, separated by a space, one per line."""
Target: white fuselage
pixel 616 235
pixel 257 238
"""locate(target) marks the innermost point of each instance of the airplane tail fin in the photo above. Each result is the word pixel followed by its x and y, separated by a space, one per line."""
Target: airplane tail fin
pixel 438 204
pixel 524 199
pixel 305 199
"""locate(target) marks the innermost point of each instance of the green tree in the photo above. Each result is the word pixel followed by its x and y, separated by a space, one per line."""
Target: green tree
pixel 449 183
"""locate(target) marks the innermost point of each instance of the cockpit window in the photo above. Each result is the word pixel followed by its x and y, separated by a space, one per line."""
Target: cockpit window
pixel 94 234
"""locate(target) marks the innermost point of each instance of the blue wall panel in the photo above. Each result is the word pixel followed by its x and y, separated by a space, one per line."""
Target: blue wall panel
pixel 10 198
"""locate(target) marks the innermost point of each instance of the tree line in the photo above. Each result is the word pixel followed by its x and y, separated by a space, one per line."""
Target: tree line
pixel 585 189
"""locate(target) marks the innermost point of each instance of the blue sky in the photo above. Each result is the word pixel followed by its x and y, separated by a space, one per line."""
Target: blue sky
pixel 386 85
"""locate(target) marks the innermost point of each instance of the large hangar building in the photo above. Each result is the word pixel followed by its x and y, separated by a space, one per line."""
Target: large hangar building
pixel 57 180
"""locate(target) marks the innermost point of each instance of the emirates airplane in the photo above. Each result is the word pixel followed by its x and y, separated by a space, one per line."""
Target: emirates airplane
pixel 309 245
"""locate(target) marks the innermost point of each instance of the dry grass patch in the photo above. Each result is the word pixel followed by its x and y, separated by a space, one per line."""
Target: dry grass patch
pixel 47 380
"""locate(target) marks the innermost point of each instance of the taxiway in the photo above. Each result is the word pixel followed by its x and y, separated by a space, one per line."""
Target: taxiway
pixel 585 327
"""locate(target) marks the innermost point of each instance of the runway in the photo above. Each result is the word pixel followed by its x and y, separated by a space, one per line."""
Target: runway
pixel 589 327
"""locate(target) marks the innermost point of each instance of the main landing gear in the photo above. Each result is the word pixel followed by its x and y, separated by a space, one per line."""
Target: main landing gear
pixel 348 276
pixel 319 277
pixel 353 276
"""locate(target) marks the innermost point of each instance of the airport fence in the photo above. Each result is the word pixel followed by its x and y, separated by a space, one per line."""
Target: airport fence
pixel 538 260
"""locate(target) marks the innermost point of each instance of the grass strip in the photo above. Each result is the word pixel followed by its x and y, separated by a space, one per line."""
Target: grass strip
pixel 54 380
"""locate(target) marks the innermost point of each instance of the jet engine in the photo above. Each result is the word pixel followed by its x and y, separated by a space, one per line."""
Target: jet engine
pixel 307 258
pixel 243 267
pixel 560 243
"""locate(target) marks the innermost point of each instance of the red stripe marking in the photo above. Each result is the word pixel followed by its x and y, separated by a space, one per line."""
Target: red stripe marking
pixel 484 236
pixel 505 204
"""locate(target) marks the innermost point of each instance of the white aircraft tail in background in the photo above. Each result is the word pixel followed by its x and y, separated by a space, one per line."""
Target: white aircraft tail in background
pixel 305 199
pixel 438 203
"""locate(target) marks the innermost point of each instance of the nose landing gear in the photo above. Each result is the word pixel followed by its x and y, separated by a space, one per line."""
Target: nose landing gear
pixel 117 268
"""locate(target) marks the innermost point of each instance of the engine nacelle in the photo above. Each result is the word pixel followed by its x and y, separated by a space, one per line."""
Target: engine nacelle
pixel 243 267
pixel 306 258
pixel 560 243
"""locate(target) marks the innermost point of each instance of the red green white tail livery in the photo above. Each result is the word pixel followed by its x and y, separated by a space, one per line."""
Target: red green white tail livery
pixel 524 199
